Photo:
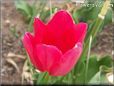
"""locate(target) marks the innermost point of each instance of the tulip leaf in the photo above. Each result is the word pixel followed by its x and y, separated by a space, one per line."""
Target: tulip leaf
pixel 69 78
pixel 79 72
pixel 95 64
pixel 100 76
pixel 93 67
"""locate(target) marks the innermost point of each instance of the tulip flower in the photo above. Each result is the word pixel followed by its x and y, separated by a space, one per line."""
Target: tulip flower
pixel 56 46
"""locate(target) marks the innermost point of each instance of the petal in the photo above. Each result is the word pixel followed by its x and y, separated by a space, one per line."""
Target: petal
pixel 59 30
pixel 47 55
pixel 39 30
pixel 61 20
pixel 28 42
pixel 68 61
pixel 80 30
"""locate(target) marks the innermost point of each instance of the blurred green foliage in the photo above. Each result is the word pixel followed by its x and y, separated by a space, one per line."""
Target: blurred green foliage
pixel 24 8
pixel 38 8
pixel 96 67
pixel 90 13
pixel 93 67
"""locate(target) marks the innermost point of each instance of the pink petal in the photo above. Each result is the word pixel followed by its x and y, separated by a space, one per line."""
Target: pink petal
pixel 68 61
pixel 62 19
pixel 47 55
pixel 80 30
pixel 28 42
pixel 59 30
pixel 39 30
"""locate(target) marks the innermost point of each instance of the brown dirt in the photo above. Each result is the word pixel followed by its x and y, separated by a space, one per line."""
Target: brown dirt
pixel 104 44
pixel 12 19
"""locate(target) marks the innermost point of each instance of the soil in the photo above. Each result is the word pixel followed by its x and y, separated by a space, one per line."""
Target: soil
pixel 104 44
pixel 13 20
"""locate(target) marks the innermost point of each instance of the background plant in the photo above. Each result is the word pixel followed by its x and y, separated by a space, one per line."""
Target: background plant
pixel 97 67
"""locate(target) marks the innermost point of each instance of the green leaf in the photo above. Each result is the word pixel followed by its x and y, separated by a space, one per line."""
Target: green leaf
pixel 95 79
pixel 24 8
pixel 106 60
pixel 106 69
pixel 93 67
pixel 95 64
pixel 100 77
pixel 79 72
pixel 108 17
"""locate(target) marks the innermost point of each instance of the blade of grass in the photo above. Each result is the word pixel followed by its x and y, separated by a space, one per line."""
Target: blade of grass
pixel 87 61
pixel 50 4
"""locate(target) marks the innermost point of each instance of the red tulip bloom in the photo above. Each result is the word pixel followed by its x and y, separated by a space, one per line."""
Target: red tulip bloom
pixel 56 46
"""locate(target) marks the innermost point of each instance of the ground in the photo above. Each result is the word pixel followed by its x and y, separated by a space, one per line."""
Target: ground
pixel 11 43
